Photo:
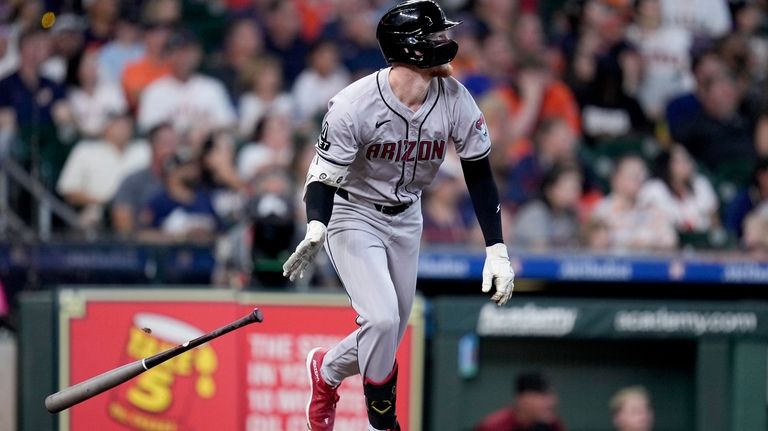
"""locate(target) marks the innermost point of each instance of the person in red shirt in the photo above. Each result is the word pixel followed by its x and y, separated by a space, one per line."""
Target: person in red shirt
pixel 534 408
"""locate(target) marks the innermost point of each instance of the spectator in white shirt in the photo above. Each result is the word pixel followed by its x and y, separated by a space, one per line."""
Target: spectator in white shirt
pixel 629 223
pixel 91 97
pixel 703 18
pixel 316 84
pixel 186 98
pixel 682 194
pixel 665 54
pixel 95 168
pixel 265 96
pixel 272 146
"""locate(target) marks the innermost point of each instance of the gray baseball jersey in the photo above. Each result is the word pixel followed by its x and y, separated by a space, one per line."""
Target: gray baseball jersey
pixel 381 153
pixel 378 150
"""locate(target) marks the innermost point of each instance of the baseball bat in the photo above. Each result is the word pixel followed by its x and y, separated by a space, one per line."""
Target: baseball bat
pixel 82 391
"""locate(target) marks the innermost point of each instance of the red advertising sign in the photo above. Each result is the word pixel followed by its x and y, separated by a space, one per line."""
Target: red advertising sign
pixel 252 380
pixel 180 394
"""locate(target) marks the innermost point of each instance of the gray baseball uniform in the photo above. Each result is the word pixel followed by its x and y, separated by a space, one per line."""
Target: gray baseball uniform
pixel 381 155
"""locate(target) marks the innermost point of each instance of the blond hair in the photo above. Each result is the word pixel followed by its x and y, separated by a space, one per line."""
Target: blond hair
pixel 620 398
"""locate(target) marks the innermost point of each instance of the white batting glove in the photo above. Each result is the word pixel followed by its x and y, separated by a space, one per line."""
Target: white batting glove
pixel 498 272
pixel 305 252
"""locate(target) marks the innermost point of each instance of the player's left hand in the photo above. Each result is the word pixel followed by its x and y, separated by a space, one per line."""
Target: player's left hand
pixel 305 252
pixel 498 272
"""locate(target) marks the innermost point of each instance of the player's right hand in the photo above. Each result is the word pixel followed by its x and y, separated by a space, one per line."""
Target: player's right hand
pixel 305 252
pixel 498 272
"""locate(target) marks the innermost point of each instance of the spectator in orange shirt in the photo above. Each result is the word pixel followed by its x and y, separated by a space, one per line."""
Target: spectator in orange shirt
pixel 536 95
pixel 138 75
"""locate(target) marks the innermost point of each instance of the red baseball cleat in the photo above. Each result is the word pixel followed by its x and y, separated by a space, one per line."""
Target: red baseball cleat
pixel 321 408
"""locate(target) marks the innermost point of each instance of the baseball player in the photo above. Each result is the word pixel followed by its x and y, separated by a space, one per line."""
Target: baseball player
pixel 382 141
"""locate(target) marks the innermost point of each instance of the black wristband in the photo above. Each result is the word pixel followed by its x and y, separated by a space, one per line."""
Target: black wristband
pixel 485 198
pixel 319 200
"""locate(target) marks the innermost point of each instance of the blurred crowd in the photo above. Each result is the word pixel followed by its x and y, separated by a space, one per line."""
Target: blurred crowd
pixel 617 125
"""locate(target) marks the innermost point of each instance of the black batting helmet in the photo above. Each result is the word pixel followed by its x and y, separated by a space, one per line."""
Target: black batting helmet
pixel 412 33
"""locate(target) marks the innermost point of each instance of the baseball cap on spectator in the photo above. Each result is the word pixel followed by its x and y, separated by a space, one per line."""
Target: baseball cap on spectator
pixel 532 382
pixel 182 38
pixel 68 22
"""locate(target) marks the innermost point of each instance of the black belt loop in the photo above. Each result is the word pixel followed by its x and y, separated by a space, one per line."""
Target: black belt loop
pixel 395 210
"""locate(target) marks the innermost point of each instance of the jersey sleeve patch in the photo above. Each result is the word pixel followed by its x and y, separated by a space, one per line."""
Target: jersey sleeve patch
pixel 337 140
pixel 322 141
pixel 481 127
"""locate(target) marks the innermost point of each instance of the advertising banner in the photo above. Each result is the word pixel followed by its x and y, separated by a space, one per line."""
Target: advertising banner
pixel 253 379
pixel 618 319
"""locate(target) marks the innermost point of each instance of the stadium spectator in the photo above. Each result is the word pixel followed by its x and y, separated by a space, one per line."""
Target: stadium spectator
pixel 265 95
pixel 680 192
pixel 242 46
pixel 152 66
pixel 664 51
pixel 682 109
pixel 92 98
pixel 102 16
pixel 25 16
pixel 534 95
pixel 719 136
pixel 322 79
pixel 604 74
pixel 748 199
pixel 357 44
pixel 94 170
pixel 551 221
pixel 495 16
pixel 271 146
pixel 283 39
pixel 748 17
pixel 138 188
pixel 705 19
pixel 528 36
pixel 755 238
pixel 34 113
pixel 124 49
pixel 67 43
pixel 631 226
pixel 183 210
pixel 219 175
pixel 533 409
pixel 494 66
pixel 554 142
pixel 9 49
pixel 631 409
pixel 164 12
pixel 445 222
pixel 186 98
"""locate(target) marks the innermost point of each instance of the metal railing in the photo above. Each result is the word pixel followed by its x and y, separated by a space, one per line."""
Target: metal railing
pixel 46 205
